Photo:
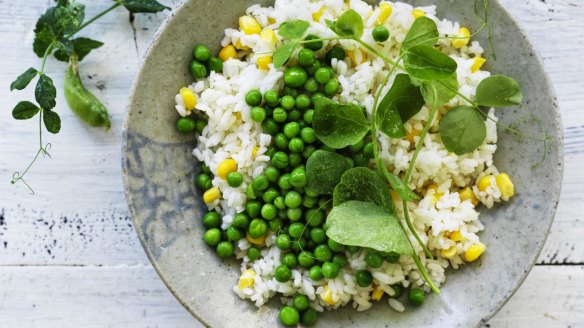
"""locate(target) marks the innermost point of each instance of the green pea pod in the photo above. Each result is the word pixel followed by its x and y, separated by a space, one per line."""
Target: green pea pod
pixel 82 102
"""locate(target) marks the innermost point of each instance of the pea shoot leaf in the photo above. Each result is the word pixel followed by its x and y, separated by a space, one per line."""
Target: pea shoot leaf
pixel 426 63
pixel 498 91
pixel 364 185
pixel 24 79
pixel 24 110
pixel 365 224
pixel 401 187
pixel 324 170
pixel 349 24
pixel 81 48
pixel 144 6
pixel 57 22
pixel 439 92
pixel 422 32
pixel 52 121
pixel 400 103
pixel 282 54
pixel 462 130
pixel 337 125
pixel 45 92
pixel 294 29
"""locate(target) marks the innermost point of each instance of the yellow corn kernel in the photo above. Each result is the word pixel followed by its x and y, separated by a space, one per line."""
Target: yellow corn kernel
pixel 436 195
pixel 449 253
pixel 238 115
pixel 327 295
pixel 505 186
pixel 417 13
pixel 318 14
pixel 254 151
pixel 356 61
pixel 211 195
pixel 474 252
pixel 477 64
pixel 271 20
pixel 468 194
pixel 268 35
pixel 240 46
pixel 377 293
pixel 246 279
pixel 189 98
pixel 411 134
pixel 384 13
pixel 485 182
pixel 256 241
pixel 264 62
pixel 227 52
pixel 225 167
pixel 464 35
pixel 455 236
pixel 249 25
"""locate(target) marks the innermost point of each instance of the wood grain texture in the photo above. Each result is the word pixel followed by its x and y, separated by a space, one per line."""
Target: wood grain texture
pixel 76 230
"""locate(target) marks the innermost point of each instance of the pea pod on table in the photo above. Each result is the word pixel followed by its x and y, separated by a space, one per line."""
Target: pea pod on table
pixel 82 102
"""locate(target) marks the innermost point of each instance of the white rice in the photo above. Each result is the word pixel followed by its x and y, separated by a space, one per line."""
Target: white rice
pixel 221 97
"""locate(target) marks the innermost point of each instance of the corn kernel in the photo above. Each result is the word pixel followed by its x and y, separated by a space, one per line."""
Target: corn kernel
pixel 249 25
pixel 485 182
pixel 240 46
pixel 384 13
pixel 271 20
pixel 327 295
pixel 449 253
pixel 256 241
pixel 225 167
pixel 246 279
pixel 468 194
pixel 227 52
pixel 318 14
pixel 377 293
pixel 435 197
pixel 411 134
pixel 264 62
pixel 238 115
pixel 455 236
pixel 211 195
pixel 357 56
pixel 254 151
pixel 464 35
pixel 505 186
pixel 417 13
pixel 474 252
pixel 188 98
pixel 268 35
pixel 477 64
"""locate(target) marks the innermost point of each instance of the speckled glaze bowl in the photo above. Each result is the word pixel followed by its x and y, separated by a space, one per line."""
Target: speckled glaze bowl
pixel 159 173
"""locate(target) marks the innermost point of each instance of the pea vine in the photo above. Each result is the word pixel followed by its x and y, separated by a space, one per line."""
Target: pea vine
pixel 55 34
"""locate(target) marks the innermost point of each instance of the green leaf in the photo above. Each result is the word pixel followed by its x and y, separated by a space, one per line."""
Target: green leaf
pixel 81 48
pixel 24 79
pixel 42 40
pixel 324 170
pixel 365 224
pixel 45 93
pixel 440 91
pixel 426 63
pixel 400 103
pixel 144 6
pixel 52 121
pixel 55 23
pixel 499 91
pixel 463 130
pixel 364 185
pixel 349 24
pixel 294 29
pixel 422 32
pixel 24 110
pixel 282 54
pixel 401 187
pixel 339 126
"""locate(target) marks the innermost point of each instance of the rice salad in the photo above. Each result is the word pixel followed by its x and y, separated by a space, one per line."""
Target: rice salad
pixel 255 116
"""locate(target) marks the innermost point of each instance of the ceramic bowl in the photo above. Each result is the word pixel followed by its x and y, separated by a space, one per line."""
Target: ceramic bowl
pixel 159 173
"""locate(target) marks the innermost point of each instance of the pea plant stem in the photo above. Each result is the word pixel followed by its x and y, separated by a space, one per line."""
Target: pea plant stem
pixel 98 16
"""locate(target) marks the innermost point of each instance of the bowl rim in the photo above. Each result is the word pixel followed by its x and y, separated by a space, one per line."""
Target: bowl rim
pixel 559 141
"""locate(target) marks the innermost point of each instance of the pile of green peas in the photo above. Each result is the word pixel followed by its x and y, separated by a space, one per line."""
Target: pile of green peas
pixel 279 200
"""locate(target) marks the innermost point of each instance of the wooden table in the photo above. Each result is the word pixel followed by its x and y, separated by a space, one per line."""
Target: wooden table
pixel 69 256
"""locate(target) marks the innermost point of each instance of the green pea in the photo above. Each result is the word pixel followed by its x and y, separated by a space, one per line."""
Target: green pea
pixel 269 195
pixel 373 259
pixel 281 141
pixel 224 249
pixel 212 237
pixel 198 69
pixel 311 85
pixel 392 257
pixel 294 214
pixel 272 173
pixel 271 97
pixel 352 249
pixel 275 225
pixel 340 259
pixel 315 273
pixel 292 199
pixel 185 125
pixel 314 45
pixel 416 296
pixel 215 64
pixel 330 270
pixel 331 87
pixel 307 134
pixel 240 220
pixel 83 103
pixel 234 179
pixel 357 146
pixel 283 214
pixel 317 235
pixel 295 159
pixel 314 217
pixel 295 230
pixel 368 150
pixel 310 192
pixel 322 202
pixel 270 126
pixel 269 211
pixel 298 177
pixel 200 126
pixel 257 228
pixel 291 129
pixel 294 115
pixel 322 75
pixel 282 273
pixel 309 202
pixel 290 260
pixel 251 194
pixel 253 97
pixel 203 182
pixel 306 57
pixel 296 145
pixel 283 242
pixel 258 114
pixel 380 33
pixel 289 316
pixel 280 115
pixel 260 182
pixel 298 245
pixel 308 117
pixel 234 234
pixel 334 246
pixel 253 253
pixel 364 278
pixel 202 53
pixel 205 169
pixel 284 182
pixel 302 101
pixel 252 208
pixel 280 160
pixel 316 97
pixel 306 259
pixel 300 302
pixel 279 202
pixel 360 160
pixel 323 253
pixel 309 317
pixel 295 76
pixel 212 220
pixel 397 289
pixel 336 52
pixel 289 91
